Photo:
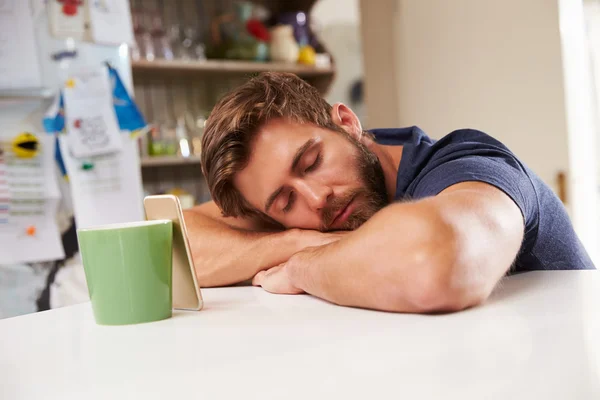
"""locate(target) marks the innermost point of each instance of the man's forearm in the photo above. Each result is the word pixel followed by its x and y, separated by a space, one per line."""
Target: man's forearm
pixel 381 266
pixel 224 255
pixel 443 253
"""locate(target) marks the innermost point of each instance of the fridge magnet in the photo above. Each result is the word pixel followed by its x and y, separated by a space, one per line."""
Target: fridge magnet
pixel 31 230
pixel 25 145
pixel 63 54
pixel 70 7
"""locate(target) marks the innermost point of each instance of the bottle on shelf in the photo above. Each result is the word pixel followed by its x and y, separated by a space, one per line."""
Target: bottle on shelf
pixel 181 133
pixel 143 48
pixel 160 41
pixel 284 47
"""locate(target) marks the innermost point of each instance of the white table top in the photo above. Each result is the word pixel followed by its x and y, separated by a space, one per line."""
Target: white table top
pixel 536 338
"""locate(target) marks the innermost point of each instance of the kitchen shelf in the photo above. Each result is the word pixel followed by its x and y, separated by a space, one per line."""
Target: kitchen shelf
pixel 161 161
pixel 227 66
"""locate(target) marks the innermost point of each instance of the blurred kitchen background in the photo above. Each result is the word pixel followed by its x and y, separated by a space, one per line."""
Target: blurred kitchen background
pixel 525 72
pixel 189 53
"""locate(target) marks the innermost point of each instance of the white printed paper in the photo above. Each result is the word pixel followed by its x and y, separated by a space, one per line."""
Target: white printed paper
pixel 106 189
pixel 110 22
pixel 19 64
pixel 90 120
pixel 29 197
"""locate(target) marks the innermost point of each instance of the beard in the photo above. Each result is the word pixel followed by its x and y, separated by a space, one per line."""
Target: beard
pixel 371 197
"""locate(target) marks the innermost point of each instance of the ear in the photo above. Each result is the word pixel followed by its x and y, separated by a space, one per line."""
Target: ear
pixel 345 118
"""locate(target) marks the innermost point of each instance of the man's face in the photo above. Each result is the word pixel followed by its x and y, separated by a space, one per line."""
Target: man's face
pixel 308 177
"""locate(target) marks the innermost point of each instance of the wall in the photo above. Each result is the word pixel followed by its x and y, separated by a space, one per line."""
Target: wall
pixel 582 119
pixel 481 64
pixel 592 16
pixel 515 69
pixel 378 27
pixel 338 26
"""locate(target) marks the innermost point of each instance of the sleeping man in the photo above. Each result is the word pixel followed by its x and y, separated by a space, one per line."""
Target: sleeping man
pixel 305 200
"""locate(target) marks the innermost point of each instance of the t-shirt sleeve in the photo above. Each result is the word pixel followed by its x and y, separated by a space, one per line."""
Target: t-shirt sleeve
pixel 502 171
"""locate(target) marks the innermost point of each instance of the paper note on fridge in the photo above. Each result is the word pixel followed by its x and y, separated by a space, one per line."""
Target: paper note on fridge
pixel 19 63
pixel 110 22
pixel 90 119
pixel 66 20
pixel 29 197
pixel 106 189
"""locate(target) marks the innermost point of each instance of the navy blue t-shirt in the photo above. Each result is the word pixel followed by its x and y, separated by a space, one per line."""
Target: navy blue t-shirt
pixel 429 166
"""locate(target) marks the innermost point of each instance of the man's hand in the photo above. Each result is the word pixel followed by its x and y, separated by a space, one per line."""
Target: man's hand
pixel 278 279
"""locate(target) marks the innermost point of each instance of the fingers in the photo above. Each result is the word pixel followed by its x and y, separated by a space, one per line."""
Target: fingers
pixel 275 280
pixel 262 276
pixel 258 278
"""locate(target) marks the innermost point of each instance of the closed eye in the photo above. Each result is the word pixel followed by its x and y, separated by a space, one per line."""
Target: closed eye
pixel 290 204
pixel 314 165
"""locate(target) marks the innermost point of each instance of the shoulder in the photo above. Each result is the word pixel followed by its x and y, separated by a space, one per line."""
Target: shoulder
pixel 400 136
pixel 470 137
pixel 474 144
pixel 459 152
pixel 470 155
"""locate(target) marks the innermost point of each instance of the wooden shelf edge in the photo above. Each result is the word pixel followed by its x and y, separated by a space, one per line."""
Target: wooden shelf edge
pixel 162 161
pixel 227 66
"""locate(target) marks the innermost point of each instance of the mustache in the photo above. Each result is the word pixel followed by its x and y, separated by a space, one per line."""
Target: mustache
pixel 335 206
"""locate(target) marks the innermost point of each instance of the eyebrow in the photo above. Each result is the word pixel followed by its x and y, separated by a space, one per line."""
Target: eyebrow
pixel 295 161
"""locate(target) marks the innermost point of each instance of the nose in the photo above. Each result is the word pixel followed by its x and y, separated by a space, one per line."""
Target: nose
pixel 316 193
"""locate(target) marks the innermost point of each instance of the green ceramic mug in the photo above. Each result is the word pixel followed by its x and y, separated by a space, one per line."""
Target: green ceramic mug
pixel 128 271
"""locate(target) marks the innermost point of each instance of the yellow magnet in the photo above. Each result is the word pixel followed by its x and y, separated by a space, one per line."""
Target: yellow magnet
pixel 25 145
pixel 70 83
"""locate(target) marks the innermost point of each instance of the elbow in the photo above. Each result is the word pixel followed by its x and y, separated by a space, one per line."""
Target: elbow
pixel 439 292
pixel 441 280
pixel 447 283
pixel 435 288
